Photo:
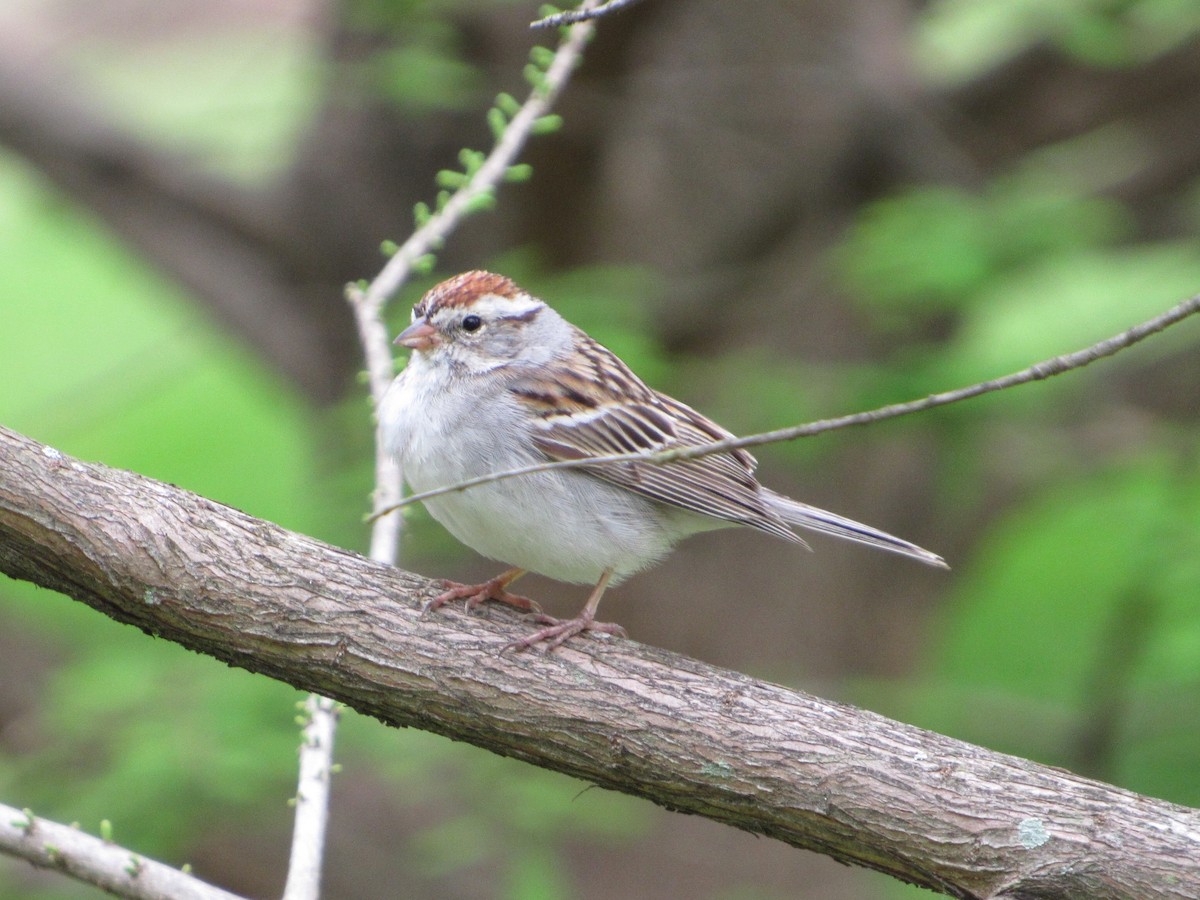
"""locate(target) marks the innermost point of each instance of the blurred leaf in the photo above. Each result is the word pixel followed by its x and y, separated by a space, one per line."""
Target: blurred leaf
pixel 957 40
pixel 934 248
pixel 536 875
pixel 1038 212
pixel 423 78
pixel 247 96
pixel 1031 608
pixel 928 245
pixel 1067 303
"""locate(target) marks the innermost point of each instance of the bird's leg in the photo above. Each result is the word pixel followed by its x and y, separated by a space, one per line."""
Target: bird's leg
pixel 559 630
pixel 476 594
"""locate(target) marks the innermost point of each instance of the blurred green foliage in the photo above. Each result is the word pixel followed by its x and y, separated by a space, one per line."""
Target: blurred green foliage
pixel 106 361
pixel 243 107
pixel 1059 626
pixel 961 39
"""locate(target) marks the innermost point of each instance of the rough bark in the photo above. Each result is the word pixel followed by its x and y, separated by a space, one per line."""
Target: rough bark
pixel 865 790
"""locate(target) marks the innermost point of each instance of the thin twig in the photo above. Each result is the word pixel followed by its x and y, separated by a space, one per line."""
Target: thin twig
pixel 312 799
pixel 316 762
pixel 1037 372
pixel 574 16
pixel 96 861
pixel 368 305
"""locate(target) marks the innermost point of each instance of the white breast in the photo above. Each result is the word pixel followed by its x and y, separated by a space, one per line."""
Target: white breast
pixel 566 525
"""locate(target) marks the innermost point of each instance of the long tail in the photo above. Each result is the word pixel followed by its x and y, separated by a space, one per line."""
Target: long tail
pixel 804 516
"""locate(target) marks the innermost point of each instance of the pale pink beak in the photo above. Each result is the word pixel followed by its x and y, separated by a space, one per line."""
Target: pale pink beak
pixel 420 335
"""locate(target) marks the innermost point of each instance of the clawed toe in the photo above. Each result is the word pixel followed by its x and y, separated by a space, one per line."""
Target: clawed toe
pixel 515 600
pixel 559 631
pixel 477 594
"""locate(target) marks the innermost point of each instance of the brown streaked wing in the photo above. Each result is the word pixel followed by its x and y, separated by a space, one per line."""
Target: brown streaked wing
pixel 572 424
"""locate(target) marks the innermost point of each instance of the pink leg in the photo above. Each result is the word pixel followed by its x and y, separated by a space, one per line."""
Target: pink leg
pixel 560 630
pixel 476 594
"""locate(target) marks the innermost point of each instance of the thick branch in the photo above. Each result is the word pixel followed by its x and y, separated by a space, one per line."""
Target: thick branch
pixel 856 786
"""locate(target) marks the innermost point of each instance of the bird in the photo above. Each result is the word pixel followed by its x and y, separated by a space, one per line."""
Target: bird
pixel 496 380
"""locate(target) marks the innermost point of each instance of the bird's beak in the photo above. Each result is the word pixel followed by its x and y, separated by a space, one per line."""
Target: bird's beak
pixel 420 335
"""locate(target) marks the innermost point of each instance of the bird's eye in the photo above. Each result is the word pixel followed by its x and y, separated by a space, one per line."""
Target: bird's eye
pixel 471 323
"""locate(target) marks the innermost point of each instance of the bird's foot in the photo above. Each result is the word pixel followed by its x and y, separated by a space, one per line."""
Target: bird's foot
pixel 558 631
pixel 477 594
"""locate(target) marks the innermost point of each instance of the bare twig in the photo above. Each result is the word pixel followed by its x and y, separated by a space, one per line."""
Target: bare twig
pixel 304 869
pixel 1037 372
pixel 368 305
pixel 312 799
pixel 583 14
pixel 93 860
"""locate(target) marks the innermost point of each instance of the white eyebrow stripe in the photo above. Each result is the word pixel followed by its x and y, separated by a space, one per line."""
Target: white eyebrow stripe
pixel 491 306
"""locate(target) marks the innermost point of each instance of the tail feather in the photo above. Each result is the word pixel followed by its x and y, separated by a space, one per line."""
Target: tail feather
pixel 814 519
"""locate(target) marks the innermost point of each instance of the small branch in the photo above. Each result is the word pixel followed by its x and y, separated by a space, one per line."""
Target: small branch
pixel 853 785
pixel 92 860
pixel 368 305
pixel 1037 372
pixel 304 870
pixel 574 16
pixel 312 799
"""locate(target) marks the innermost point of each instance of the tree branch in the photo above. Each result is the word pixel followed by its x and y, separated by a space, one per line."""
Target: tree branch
pixel 858 787
pixel 49 845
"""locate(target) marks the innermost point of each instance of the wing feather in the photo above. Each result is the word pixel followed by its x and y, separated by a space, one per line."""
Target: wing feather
pixel 601 408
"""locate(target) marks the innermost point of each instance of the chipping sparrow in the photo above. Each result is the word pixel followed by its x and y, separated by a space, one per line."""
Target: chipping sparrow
pixel 498 380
